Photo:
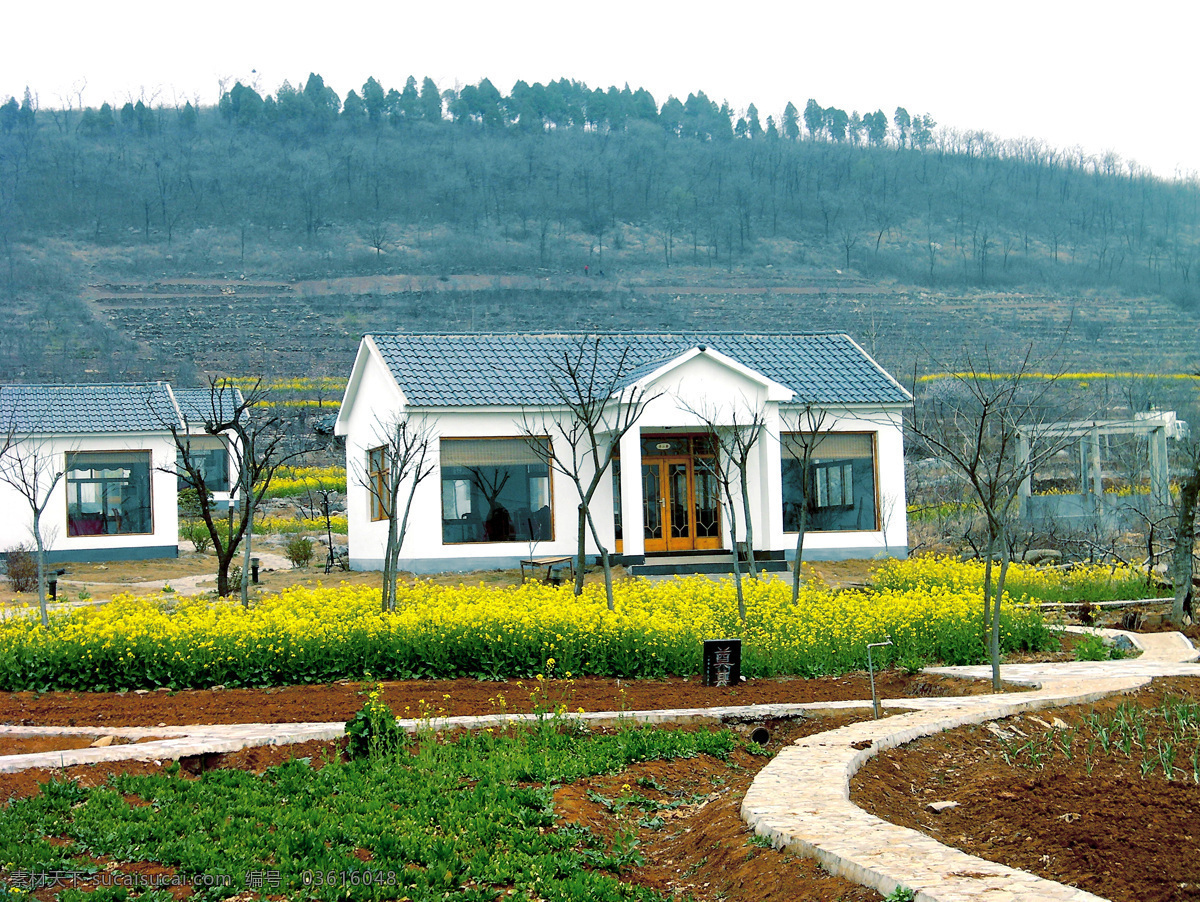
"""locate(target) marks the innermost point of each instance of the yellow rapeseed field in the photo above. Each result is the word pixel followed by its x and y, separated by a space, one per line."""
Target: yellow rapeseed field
pixel 291 481
pixel 316 635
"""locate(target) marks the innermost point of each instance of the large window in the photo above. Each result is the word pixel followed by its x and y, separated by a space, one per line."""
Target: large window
pixel 209 455
pixel 839 493
pixel 494 490
pixel 108 493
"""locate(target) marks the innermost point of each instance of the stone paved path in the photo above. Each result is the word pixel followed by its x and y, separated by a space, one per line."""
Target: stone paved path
pixel 801 800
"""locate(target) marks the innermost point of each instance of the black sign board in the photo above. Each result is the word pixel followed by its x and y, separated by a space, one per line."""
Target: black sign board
pixel 722 662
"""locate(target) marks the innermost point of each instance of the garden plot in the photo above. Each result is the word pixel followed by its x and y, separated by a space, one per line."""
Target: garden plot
pixel 1103 796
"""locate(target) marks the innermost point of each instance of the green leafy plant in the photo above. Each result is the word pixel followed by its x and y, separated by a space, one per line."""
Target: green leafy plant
pixel 299 551
pixel 1091 648
pixel 901 894
pixel 196 532
pixel 373 730
pixel 473 809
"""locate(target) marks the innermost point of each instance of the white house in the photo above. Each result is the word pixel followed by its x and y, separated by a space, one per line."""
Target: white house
pixel 491 500
pixel 116 497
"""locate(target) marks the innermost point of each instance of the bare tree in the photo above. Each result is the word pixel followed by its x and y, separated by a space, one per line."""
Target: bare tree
pixel 599 407
pixel 262 441
pixel 993 430
pixel 28 466
pixel 734 435
pixel 378 234
pixel 802 430
pixel 403 459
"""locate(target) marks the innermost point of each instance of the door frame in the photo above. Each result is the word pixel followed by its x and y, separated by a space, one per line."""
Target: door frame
pixel 668 543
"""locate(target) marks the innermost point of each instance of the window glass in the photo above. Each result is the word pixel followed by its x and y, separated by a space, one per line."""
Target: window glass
pixel 839 493
pixel 494 490
pixel 108 493
pixel 211 457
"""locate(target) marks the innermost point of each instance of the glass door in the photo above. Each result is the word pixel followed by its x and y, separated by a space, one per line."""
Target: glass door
pixel 653 506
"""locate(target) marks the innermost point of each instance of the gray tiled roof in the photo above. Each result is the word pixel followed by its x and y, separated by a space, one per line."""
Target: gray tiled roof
pixel 474 369
pixel 75 409
pixel 196 404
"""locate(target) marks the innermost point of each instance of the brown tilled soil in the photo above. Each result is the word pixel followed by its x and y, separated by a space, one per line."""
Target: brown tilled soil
pixel 1090 821
pixel 416 698
pixel 703 850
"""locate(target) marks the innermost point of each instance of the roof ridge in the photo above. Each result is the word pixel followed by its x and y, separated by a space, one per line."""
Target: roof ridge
pixel 524 333
pixel 153 382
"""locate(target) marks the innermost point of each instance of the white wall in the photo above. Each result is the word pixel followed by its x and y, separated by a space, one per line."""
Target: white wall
pixel 16 527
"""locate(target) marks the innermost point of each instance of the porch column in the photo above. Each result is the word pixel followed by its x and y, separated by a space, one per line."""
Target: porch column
pixel 1160 485
pixel 633 535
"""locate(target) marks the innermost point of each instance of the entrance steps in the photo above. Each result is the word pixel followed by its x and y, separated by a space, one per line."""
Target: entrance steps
pixel 685 565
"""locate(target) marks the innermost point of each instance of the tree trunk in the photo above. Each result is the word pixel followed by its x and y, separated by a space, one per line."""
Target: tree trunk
pixel 248 538
pixel 994 642
pixel 41 567
pixel 396 534
pixel 803 525
pixel 225 552
pixel 987 589
pixel 750 562
pixel 737 565
pixel 605 562
pixel 388 595
pixel 1185 539
pixel 582 554
pixel 608 583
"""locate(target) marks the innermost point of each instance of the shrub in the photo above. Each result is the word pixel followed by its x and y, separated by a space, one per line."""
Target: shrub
pixel 22 568
pixel 196 532
pixel 299 550
pixel 189 503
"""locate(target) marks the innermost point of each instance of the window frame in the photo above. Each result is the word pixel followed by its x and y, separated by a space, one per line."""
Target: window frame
pixel 783 458
pixel 499 438
pixel 377 494
pixel 68 482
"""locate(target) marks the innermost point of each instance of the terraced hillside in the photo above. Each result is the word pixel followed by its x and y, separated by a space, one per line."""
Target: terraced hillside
pixel 188 327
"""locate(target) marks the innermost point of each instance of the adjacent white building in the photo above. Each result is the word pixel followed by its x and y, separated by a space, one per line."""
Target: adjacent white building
pixel 492 501
pixel 111 450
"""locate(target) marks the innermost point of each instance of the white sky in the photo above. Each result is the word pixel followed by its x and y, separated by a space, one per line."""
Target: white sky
pixel 1096 74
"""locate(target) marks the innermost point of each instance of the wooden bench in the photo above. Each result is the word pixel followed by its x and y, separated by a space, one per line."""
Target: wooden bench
pixel 549 563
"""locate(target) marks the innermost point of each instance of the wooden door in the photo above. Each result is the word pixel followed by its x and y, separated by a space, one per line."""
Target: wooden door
pixel 673 517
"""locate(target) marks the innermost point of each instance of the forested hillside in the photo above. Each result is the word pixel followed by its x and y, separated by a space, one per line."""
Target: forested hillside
pixel 266 233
